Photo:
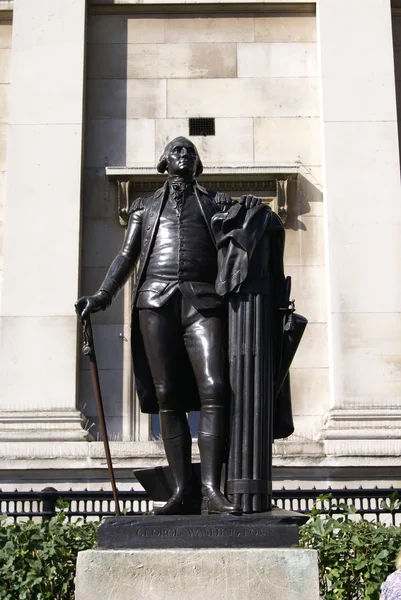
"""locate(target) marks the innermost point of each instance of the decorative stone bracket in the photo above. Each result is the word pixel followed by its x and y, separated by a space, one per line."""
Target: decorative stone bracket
pixel 271 179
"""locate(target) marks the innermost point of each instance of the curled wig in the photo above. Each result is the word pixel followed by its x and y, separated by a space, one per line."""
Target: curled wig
pixel 162 164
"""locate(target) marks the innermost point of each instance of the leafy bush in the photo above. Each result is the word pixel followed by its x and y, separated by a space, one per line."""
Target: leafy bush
pixel 37 560
pixel 355 556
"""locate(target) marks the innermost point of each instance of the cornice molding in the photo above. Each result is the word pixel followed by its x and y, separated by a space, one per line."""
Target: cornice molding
pixel 203 7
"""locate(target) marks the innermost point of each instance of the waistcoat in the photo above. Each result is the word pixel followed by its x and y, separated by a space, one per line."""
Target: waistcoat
pixel 183 249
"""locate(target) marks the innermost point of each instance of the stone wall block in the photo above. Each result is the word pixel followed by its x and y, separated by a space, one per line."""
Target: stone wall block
pixel 397 62
pixel 300 28
pixel 120 142
pixel 46 347
pixel 153 61
pixel 310 191
pixel 99 253
pixel 355 52
pixel 362 102
pixel 4 65
pixel 50 263
pixel 313 348
pixel 40 54
pixel 232 145
pixel 140 142
pixel 277 60
pixel 310 393
pixel 309 291
pixel 291 97
pixel 304 244
pixel 4 103
pixel 91 280
pixel 5 35
pixel 54 104
pixel 233 29
pixel 396 22
pixel 363 173
pixel 364 264
pixel 131 99
pixel 2 193
pixel 348 72
pixel 99 195
pixel 367 359
pixel 287 140
pixel 109 346
pixel 123 29
pixel 112 382
pixel 3 146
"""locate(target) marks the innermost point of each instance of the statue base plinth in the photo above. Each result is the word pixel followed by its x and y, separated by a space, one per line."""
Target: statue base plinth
pixel 274 529
pixel 179 574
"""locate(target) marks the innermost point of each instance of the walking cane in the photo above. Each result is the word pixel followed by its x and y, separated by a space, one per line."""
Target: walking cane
pixel 88 349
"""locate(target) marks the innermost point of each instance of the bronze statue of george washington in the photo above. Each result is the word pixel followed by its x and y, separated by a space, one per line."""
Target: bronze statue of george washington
pixel 179 322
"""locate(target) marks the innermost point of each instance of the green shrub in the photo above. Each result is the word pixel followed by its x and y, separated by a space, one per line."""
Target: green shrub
pixel 37 560
pixel 355 555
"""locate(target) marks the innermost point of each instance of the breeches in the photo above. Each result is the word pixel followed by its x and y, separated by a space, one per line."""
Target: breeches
pixel 175 329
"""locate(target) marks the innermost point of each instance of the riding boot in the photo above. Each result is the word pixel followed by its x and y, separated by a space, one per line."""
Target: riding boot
pixel 212 443
pixel 177 445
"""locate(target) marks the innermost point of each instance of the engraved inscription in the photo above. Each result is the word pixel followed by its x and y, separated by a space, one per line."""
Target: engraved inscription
pixel 200 532
pixel 158 532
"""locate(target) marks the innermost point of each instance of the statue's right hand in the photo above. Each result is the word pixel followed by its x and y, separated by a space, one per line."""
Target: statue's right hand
pixel 89 304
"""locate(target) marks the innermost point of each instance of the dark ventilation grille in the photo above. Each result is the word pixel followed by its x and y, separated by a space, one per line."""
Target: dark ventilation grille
pixel 201 127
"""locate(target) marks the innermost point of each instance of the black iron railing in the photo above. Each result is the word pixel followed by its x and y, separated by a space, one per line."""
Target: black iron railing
pixel 373 504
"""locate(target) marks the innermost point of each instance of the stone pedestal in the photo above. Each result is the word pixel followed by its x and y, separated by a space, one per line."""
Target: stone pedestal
pixel 223 573
pixel 225 557
pixel 274 529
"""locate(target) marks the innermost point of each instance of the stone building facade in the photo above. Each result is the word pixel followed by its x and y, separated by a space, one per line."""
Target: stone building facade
pixel 303 100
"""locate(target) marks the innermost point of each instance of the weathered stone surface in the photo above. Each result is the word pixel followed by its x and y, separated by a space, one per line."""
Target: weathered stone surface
pixel 5 35
pixel 131 99
pixel 120 142
pixel 5 55
pixel 3 145
pixel 277 60
pixel 227 574
pixel 314 348
pixel 270 97
pixel 310 394
pixel 309 289
pixel 142 61
pixel 285 29
pixel 305 242
pixel 121 29
pixel 210 30
pixel 4 96
pixel 287 140
pixel 232 145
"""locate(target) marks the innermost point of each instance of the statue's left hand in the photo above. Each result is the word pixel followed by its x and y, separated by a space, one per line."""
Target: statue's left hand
pixel 249 201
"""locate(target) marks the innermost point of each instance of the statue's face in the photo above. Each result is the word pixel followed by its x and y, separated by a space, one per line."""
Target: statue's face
pixel 181 158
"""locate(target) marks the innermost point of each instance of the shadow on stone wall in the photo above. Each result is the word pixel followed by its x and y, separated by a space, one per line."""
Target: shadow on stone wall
pixel 106 123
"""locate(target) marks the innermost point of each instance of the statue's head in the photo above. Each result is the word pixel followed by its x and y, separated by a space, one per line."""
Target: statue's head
pixel 180 157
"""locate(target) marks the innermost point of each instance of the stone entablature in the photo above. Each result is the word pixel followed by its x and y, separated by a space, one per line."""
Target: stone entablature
pixel 241 180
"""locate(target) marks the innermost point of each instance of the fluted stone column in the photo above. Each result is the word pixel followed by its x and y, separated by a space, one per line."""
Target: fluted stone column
pixel 363 226
pixel 42 223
